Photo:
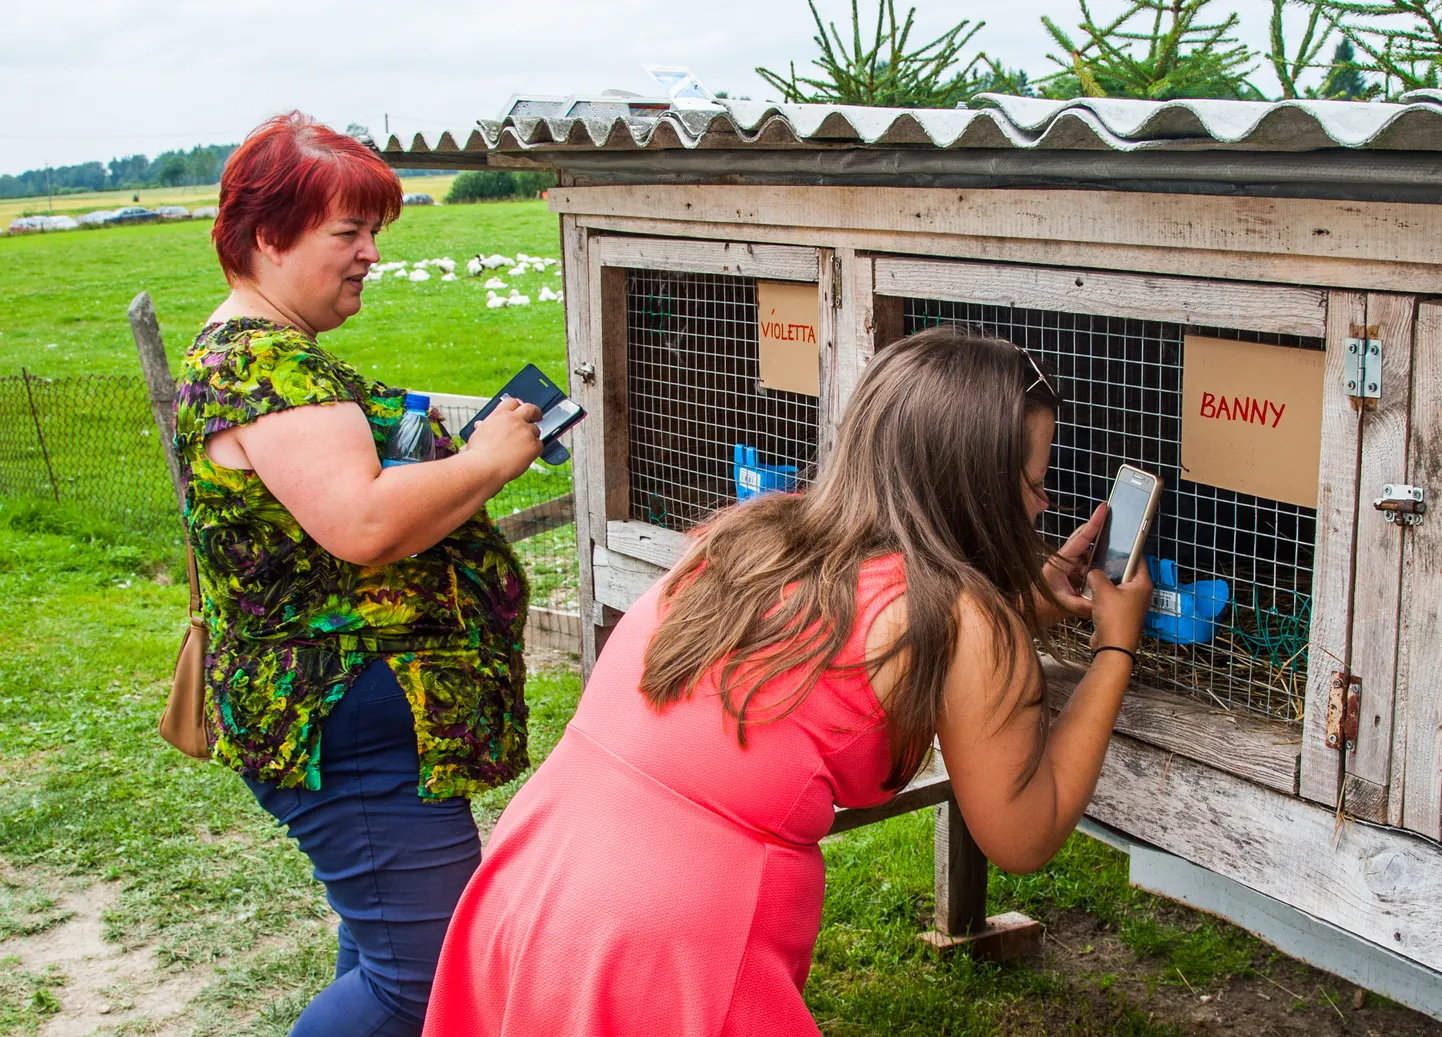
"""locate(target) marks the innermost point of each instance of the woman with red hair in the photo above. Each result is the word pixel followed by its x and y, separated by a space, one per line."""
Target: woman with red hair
pixel 364 672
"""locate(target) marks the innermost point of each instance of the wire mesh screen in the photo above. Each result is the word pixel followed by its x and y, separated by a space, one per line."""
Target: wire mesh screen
pixel 694 395
pixel 90 442
pixel 1122 380
pixel 86 441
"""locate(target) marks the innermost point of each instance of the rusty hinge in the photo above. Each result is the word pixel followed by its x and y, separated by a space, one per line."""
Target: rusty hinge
pixel 1344 711
pixel 835 281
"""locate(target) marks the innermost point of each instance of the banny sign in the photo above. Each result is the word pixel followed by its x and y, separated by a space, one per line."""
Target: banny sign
pixel 1252 418
pixel 788 322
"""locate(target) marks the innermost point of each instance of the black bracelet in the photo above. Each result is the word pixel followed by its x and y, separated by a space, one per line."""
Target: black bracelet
pixel 1115 648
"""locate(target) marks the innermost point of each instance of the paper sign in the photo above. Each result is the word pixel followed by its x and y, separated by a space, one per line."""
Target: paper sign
pixel 788 319
pixel 1252 418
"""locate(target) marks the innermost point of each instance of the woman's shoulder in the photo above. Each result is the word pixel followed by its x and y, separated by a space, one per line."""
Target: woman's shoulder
pixel 247 339
pixel 248 366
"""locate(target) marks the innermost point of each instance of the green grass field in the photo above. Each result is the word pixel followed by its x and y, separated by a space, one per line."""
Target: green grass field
pixel 62 310
pixel 214 905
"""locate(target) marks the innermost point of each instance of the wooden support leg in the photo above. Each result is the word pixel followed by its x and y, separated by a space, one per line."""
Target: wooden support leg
pixel 961 919
pixel 595 634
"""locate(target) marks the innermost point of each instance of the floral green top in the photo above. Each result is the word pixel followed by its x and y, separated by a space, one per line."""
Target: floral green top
pixel 291 626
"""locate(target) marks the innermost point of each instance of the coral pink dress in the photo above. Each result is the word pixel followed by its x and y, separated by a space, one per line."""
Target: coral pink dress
pixel 653 877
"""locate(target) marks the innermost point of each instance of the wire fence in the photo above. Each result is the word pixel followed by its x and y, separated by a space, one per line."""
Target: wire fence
pixel 90 442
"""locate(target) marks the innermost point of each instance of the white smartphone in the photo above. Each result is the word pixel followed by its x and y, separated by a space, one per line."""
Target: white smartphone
pixel 1130 509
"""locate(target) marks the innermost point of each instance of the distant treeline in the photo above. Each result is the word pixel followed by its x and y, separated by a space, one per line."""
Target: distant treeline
pixel 199 165
pixel 483 185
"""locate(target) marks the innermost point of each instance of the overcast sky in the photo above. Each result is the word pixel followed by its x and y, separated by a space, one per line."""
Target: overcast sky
pixel 95 79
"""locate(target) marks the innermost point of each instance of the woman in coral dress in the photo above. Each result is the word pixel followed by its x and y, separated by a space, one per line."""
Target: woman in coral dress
pixel 660 873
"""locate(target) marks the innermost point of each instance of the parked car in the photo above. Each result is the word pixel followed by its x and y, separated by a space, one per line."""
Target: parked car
pixel 205 212
pixel 96 218
pixel 134 214
pixel 417 199
pixel 173 212
pixel 41 224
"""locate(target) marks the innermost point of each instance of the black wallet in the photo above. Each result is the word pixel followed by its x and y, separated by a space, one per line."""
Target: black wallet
pixel 558 411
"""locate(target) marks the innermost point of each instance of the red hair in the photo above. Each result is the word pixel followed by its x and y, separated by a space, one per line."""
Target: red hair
pixel 284 180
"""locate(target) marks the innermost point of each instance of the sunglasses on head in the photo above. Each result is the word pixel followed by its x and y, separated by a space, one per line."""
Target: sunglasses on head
pixel 1041 379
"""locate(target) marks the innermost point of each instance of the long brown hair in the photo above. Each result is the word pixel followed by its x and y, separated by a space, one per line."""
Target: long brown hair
pixel 929 462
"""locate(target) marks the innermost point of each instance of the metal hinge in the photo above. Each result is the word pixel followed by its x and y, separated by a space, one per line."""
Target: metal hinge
pixel 1362 373
pixel 1344 711
pixel 1403 505
pixel 835 281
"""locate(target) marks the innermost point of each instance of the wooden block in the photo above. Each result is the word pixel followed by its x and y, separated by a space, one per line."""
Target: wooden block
pixel 1260 750
pixel 1284 309
pixel 1003 938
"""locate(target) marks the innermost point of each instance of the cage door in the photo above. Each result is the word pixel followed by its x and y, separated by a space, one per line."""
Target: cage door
pixel 1360 564
pixel 1417 749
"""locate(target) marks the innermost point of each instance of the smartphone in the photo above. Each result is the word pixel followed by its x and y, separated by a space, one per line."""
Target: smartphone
pixel 558 411
pixel 1130 509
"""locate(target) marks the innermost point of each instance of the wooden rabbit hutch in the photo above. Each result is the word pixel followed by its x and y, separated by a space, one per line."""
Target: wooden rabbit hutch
pixel 1283 767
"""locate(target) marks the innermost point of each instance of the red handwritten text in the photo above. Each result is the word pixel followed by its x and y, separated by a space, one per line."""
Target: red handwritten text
pixel 1242 408
pixel 774 329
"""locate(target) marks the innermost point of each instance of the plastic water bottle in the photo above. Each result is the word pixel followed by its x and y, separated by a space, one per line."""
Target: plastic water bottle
pixel 412 439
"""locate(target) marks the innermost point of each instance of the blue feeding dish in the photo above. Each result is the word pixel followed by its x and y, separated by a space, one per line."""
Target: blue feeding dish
pixel 1184 615
pixel 754 478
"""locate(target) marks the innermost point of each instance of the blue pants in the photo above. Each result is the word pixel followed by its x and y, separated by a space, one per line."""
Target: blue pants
pixel 393 866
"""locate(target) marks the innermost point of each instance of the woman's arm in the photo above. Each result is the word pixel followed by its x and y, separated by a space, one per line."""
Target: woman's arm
pixel 320 462
pixel 991 730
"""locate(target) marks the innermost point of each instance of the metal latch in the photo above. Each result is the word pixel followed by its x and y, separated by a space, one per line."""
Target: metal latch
pixel 1403 505
pixel 1362 373
pixel 1344 711
pixel 585 371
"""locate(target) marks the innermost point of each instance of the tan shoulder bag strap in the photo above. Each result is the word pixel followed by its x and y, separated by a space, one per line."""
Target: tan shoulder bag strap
pixel 183 724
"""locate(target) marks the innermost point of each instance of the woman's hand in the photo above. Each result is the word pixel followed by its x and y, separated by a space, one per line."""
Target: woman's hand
pixel 510 437
pixel 1065 571
pixel 1119 611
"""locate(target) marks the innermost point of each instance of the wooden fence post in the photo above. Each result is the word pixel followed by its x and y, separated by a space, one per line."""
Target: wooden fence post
pixel 158 380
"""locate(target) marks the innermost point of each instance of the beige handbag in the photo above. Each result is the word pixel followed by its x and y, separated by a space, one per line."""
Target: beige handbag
pixel 184 723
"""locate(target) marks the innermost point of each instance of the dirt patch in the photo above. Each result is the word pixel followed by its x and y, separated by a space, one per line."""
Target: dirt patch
pixel 105 986
pixel 1092 959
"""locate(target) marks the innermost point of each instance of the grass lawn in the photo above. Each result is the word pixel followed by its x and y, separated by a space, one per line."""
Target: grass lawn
pixel 63 308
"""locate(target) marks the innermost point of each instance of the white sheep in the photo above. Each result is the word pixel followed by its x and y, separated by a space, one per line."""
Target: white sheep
pixel 474 266
pixel 446 265
pixel 496 282
pixel 550 262
pixel 493 261
pixel 545 294
pixel 518 270
pixel 399 273
pixel 539 267
pixel 495 302
pixel 374 275
pixel 420 275
pixel 517 299
pixel 448 276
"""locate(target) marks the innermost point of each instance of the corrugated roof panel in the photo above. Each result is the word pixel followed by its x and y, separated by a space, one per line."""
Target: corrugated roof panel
pixel 997 121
